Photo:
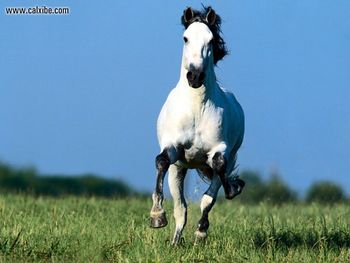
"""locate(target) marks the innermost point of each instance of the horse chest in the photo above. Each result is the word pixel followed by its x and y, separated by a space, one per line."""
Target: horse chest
pixel 200 136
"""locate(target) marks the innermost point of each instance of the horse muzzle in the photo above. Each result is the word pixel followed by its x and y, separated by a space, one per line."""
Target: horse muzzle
pixel 195 78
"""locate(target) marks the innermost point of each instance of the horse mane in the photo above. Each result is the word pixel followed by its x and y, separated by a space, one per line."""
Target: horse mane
pixel 219 46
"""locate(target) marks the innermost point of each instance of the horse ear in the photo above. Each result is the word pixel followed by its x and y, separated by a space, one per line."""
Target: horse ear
pixel 211 17
pixel 188 14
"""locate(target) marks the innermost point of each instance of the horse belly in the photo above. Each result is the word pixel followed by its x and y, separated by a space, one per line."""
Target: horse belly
pixel 195 157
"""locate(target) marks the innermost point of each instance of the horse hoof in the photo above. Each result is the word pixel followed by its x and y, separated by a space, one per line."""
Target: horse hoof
pixel 178 241
pixel 200 236
pixel 236 188
pixel 159 220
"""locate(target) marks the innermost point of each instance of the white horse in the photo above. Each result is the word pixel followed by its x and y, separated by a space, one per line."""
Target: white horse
pixel 200 126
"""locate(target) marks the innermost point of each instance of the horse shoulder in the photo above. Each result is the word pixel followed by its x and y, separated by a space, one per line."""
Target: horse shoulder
pixel 174 121
pixel 234 127
pixel 228 114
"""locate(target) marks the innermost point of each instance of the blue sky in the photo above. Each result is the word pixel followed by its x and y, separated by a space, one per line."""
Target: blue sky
pixel 81 93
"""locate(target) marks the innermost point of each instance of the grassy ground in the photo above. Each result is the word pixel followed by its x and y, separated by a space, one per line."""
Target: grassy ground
pixel 88 229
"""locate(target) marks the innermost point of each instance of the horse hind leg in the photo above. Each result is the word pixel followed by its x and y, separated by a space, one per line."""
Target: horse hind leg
pixel 207 203
pixel 163 161
pixel 176 185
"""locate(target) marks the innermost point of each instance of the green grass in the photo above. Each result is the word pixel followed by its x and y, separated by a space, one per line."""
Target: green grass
pixel 75 229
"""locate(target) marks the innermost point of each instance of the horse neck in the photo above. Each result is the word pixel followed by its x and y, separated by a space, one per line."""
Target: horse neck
pixel 203 93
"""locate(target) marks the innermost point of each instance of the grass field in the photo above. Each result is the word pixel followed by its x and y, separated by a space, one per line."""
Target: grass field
pixel 75 229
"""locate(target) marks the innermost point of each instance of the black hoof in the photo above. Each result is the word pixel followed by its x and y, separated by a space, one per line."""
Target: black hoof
pixel 159 221
pixel 235 188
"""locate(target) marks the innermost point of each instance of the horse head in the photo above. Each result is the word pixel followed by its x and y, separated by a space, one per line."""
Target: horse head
pixel 203 46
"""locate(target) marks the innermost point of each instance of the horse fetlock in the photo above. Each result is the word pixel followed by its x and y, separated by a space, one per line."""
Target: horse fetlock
pixel 157 199
pixel 203 224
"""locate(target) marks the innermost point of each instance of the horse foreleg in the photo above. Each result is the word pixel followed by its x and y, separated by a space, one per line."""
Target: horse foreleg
pixel 163 161
pixel 176 185
pixel 232 187
pixel 207 202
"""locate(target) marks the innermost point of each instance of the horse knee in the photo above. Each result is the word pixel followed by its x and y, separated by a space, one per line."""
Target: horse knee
pixel 219 163
pixel 162 161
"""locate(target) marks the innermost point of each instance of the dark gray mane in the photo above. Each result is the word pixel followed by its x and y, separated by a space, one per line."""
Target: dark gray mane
pixel 219 47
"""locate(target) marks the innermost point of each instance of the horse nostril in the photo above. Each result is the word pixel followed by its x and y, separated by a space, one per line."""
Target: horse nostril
pixel 190 75
pixel 201 76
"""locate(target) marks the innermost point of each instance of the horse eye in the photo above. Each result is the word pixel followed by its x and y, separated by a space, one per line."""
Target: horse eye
pixel 185 39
